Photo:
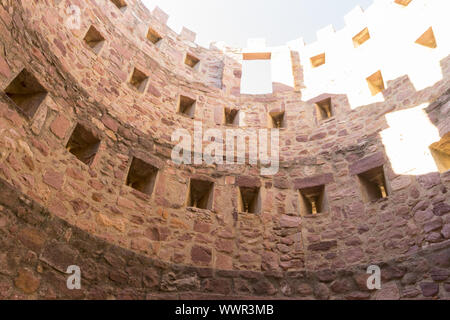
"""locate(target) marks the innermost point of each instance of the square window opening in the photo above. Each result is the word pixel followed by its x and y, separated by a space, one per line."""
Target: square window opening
pixel 277 120
pixel 376 83
pixel 318 60
pixel 192 61
pixel 373 184
pixel 142 176
pixel 186 106
pixel 154 37
pixel 139 80
pixel 26 92
pixel 250 200
pixel 94 39
pixel 121 4
pixel 313 201
pixel 324 109
pixel 83 144
pixel 201 194
pixel 231 116
pixel 361 38
pixel 427 39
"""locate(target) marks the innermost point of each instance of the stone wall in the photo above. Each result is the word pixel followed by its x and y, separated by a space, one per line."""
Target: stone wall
pixel 251 254
pixel 38 247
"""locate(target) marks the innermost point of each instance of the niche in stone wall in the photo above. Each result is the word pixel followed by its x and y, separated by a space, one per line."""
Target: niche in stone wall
pixel 318 60
pixel 192 61
pixel 376 83
pixel 186 106
pixel 373 184
pixel 142 176
pixel 26 92
pixel 313 200
pixel 441 153
pixel 94 39
pixel 200 194
pixel 250 200
pixel 403 2
pixel 231 116
pixel 324 109
pixel 121 4
pixel 83 144
pixel 427 39
pixel 139 80
pixel 361 37
pixel 277 120
pixel 154 37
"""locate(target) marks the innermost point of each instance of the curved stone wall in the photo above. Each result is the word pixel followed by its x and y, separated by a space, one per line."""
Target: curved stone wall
pixel 93 87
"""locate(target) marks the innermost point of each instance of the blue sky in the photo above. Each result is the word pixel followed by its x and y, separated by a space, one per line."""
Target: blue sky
pixel 234 21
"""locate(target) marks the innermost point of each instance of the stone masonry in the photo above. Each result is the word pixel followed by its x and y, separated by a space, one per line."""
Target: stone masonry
pixel 87 110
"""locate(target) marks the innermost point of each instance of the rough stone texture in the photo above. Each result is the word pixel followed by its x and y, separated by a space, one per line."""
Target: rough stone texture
pixel 57 211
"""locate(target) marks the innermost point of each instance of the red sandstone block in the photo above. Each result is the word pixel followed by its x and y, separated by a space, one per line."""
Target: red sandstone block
pixel 313 181
pixel 223 262
pixel 4 68
pixel 201 256
pixel 290 222
pixel 57 208
pixel 60 126
pixel 110 123
pixel 54 179
pixel 248 182
pixel 75 173
pixel 123 202
pixel 27 281
pixel 226 246
pixel 368 163
pixel 429 289
pixel 154 91
pixel 32 238
pixel 323 246
pixel 202 227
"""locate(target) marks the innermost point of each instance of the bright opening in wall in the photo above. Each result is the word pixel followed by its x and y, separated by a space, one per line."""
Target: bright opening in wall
pixel 407 141
pixel 256 73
